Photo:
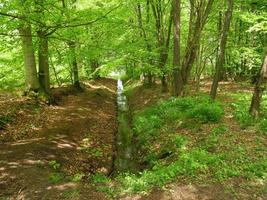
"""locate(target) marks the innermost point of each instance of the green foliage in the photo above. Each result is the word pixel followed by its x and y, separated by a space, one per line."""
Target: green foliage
pixel 258 168
pixel 174 109
pixel 188 164
pixel 100 178
pixel 78 177
pixel 207 112
pixel 263 126
pixel 180 142
pixel 5 120
pixel 56 177
pixel 241 106
pixel 54 164
pixel 220 130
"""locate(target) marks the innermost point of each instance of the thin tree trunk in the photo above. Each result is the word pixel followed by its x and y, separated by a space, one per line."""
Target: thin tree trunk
pixel 177 75
pixel 259 88
pixel 163 44
pixel 148 75
pixel 31 80
pixel 75 70
pixel 221 57
pixel 44 76
pixel 55 72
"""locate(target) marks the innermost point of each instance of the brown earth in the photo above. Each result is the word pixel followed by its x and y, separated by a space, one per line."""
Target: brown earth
pixel 78 134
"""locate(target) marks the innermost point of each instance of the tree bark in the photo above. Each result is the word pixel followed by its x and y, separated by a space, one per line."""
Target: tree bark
pixel 198 16
pixel 162 39
pixel 221 57
pixel 148 75
pixel 260 86
pixel 44 76
pixel 75 70
pixel 31 80
pixel 177 75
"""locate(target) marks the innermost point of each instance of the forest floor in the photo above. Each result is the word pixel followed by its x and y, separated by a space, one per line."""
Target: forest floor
pixel 251 142
pixel 46 150
pixel 53 152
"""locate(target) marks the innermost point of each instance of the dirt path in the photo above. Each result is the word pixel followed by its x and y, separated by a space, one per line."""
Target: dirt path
pixel 78 136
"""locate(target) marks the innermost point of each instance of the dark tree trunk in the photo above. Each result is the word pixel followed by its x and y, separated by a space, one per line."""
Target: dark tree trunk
pixel 177 75
pixel 75 70
pixel 221 57
pixel 198 16
pixel 44 77
pixel 259 88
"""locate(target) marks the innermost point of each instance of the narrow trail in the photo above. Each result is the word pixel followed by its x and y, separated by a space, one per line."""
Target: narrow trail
pixel 79 135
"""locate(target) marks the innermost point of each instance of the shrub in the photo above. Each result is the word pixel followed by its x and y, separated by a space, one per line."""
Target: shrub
pixel 207 112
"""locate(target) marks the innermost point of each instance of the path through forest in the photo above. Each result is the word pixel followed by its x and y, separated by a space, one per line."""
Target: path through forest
pixel 77 138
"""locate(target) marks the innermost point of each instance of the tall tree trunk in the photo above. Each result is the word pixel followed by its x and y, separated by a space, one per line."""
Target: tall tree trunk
pixel 177 75
pixel 162 39
pixel 198 16
pixel 44 77
pixel 259 88
pixel 31 80
pixel 148 75
pixel 221 57
pixel 74 63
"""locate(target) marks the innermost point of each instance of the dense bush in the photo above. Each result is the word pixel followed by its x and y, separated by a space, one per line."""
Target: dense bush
pixel 207 112
pixel 199 108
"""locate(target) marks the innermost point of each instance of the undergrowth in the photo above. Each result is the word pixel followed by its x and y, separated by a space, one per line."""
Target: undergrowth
pixel 241 106
pixel 173 144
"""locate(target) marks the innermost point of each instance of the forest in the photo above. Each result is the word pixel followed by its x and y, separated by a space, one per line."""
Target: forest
pixel 133 99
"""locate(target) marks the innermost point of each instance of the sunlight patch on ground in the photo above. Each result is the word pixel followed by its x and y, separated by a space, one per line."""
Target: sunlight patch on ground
pixel 62 187
pixel 28 141
pixel 99 87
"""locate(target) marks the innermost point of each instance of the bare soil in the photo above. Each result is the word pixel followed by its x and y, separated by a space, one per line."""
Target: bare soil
pixel 78 134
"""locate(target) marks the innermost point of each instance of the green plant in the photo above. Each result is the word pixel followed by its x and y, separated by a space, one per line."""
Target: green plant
pixel 263 126
pixel 54 164
pixel 207 112
pixel 78 177
pixel 7 118
pixel 220 130
pixel 257 169
pixel 243 117
pixel 56 177
pixel 188 164
pixel 100 178
pixel 180 142
pixel 241 106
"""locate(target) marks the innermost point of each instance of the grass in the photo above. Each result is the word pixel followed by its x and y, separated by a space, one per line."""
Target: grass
pixel 241 114
pixel 201 148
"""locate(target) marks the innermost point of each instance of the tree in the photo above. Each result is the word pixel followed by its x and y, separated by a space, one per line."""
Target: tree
pixel 260 86
pixel 221 55
pixel 177 75
pixel 31 80
pixel 199 12
pixel 163 37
